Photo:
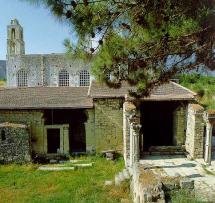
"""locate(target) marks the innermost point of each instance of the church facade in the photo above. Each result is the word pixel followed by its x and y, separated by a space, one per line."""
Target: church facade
pixel 52 106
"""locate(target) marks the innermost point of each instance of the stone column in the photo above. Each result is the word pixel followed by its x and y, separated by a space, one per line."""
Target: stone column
pixel 128 109
pixel 66 139
pixel 134 139
pixel 208 143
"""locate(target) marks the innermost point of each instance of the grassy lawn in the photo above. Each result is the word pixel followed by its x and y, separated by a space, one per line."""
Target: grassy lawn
pixel 26 184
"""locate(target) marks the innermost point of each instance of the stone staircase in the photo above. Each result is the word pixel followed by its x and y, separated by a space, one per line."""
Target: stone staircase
pixel 166 150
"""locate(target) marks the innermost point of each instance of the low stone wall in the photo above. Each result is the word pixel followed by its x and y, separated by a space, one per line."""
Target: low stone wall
pixel 14 143
pixel 149 187
pixel 145 187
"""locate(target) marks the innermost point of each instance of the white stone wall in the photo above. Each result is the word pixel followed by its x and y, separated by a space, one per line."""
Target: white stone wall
pixel 44 69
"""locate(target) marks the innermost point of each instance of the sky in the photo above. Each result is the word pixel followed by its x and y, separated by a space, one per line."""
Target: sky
pixel 43 33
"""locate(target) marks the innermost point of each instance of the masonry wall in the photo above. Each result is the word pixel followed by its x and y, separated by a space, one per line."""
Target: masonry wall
pixel 44 69
pixel 195 131
pixel 15 144
pixel 109 124
pixel 33 119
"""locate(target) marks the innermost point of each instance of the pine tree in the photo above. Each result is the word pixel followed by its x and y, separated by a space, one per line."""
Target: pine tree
pixel 144 42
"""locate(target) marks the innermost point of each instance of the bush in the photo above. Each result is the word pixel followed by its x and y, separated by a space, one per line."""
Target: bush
pixel 201 92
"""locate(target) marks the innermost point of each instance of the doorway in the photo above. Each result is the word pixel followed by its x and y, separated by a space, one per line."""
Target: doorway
pixel 157 120
pixel 53 140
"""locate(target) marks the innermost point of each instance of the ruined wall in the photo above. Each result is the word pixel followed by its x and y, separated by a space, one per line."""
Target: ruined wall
pixel 14 143
pixel 33 119
pixel 109 124
pixel 195 131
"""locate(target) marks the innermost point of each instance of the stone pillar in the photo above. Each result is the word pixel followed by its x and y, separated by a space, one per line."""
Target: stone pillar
pixel 128 109
pixel 90 131
pixel 208 143
pixel 42 71
pixel 131 128
pixel 179 125
pixel 134 122
pixel 210 122
pixel 66 139
pixel 195 131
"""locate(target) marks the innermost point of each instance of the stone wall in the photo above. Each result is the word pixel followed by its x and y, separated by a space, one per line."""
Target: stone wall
pixel 33 119
pixel 109 124
pixel 14 143
pixel 195 131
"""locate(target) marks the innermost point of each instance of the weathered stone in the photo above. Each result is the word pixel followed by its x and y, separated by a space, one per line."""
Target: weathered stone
pixel 14 143
pixel 83 165
pixel 126 174
pixel 195 131
pixel 53 161
pixel 108 182
pixel 187 184
pixel 117 180
pixel 46 168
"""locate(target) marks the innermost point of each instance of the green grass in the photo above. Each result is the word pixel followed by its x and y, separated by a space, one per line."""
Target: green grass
pixel 183 196
pixel 204 86
pixel 23 183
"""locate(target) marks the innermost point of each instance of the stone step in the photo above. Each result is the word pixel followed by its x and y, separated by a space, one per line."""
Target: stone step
pixel 166 153
pixel 167 149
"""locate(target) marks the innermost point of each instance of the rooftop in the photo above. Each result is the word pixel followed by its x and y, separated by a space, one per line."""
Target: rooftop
pixel 169 91
pixel 81 97
pixel 45 98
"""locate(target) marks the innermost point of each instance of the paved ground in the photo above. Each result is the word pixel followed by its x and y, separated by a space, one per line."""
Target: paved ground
pixel 180 166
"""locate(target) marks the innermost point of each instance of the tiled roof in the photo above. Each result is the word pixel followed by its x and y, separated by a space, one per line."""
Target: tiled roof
pixel 80 97
pixel 169 91
pixel 45 98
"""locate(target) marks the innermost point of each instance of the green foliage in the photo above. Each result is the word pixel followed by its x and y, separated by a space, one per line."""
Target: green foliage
pixel 26 184
pixel 134 39
pixel 204 86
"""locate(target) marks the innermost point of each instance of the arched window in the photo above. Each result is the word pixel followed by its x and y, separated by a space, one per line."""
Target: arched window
pixel 84 78
pixel 3 135
pixel 22 78
pixel 13 33
pixel 63 78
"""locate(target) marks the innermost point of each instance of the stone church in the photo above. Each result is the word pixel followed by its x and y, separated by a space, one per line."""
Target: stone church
pixel 52 106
